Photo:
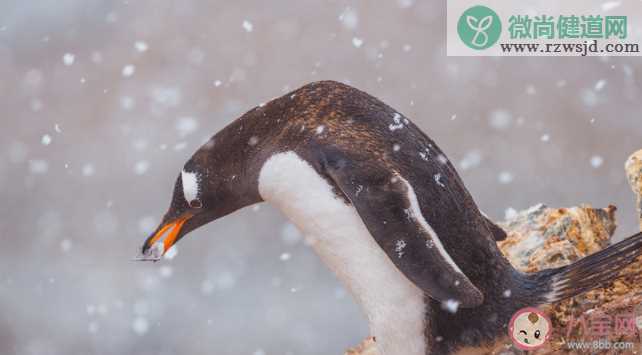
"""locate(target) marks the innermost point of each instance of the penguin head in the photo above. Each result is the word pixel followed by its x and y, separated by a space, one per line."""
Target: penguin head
pixel 208 187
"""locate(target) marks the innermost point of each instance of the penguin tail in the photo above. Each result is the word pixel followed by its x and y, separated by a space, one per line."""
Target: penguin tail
pixel 593 271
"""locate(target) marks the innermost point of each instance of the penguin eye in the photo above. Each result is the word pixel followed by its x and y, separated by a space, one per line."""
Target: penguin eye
pixel 196 203
pixel 537 334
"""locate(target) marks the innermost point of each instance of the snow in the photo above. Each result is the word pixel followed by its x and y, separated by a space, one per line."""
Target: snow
pixel 357 42
pixel 45 140
pixel 406 48
pixel 93 327
pixel 589 97
pixel 68 59
pixel 437 178
pixel 404 4
pixel 471 159
pixel 166 271
pixel 217 83
pixel 128 70
pixel 88 170
pixel 140 325
pixel 349 18
pixel 65 245
pixel 600 85
pixel 399 247
pixel 505 177
pixel 500 119
pixel 127 103
pixel 171 253
pixel 596 161
pixel 450 305
pixel 510 213
pixel 207 287
pixel 397 122
pixel 507 293
pixel 610 5
pixel 166 97
pixel 38 166
pixel 396 147
pixel 253 140
pixel 186 126
pixel 141 46
pixel 545 137
pixel 248 26
pixel 285 256
pixel 146 225
pixel 141 167
pixel 319 129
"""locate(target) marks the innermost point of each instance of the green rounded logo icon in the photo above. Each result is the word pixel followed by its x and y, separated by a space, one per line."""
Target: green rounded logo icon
pixel 479 27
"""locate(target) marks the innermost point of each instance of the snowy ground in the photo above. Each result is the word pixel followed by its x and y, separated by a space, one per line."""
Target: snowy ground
pixel 104 101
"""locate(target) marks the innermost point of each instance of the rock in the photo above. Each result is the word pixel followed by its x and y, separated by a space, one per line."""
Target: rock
pixel 542 237
pixel 633 167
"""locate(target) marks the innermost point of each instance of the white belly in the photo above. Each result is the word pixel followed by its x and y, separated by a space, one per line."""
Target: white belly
pixel 393 305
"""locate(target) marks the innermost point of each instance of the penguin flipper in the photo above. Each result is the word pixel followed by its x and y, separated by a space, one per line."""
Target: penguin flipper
pixel 388 206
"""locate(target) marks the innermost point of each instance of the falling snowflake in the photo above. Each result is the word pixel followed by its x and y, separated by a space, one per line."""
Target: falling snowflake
pixel 186 126
pixel 596 161
pixel 357 42
pixel 68 59
pixel 141 167
pixel 349 18
pixel 500 119
pixel 450 305
pixel 248 26
pixel 600 85
pixel 141 46
pixel 397 122
pixel 128 70
pixel 399 246
pixel 65 245
pixel 88 170
pixel 285 256
pixel 505 177
pixel 437 178
pixel 46 139
pixel 140 325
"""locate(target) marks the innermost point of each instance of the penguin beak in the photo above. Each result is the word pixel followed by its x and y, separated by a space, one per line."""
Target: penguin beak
pixel 162 239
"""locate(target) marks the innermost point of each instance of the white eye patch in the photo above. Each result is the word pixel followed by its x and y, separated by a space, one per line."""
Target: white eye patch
pixel 191 186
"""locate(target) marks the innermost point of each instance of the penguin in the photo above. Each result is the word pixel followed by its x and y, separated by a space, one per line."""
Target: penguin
pixel 386 211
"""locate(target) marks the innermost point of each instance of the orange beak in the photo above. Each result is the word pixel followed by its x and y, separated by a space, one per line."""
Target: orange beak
pixel 166 235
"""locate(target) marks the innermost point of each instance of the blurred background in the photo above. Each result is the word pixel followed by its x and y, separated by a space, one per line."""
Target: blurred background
pixel 104 101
